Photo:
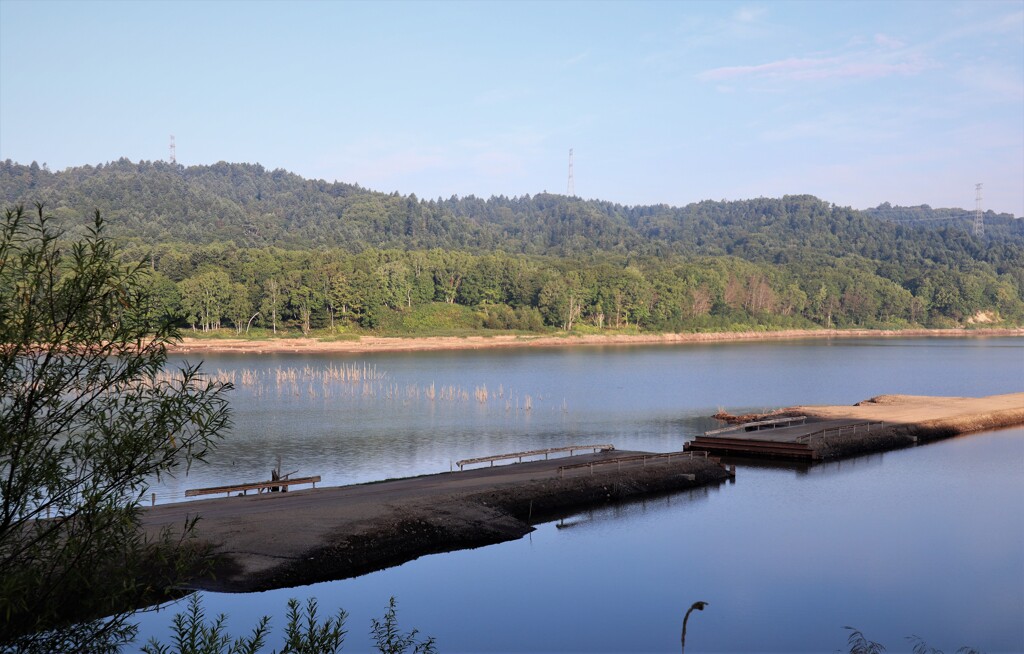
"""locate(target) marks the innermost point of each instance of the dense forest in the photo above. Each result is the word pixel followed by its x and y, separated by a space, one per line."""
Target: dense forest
pixel 238 246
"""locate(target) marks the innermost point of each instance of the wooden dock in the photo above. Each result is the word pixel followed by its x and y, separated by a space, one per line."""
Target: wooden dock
pixel 796 438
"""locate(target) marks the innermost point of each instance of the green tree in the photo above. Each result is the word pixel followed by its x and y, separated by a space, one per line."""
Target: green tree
pixel 303 300
pixel 239 307
pixel 562 300
pixel 823 305
pixel 205 297
pixel 450 269
pixel 87 416
pixel 273 300
pixel 395 283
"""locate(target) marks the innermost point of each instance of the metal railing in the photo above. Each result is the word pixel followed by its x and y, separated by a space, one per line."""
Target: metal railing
pixel 840 430
pixel 571 449
pixel 643 458
pixel 775 423
pixel 258 486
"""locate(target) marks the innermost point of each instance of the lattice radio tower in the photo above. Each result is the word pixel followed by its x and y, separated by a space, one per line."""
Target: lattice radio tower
pixel 174 157
pixel 571 189
pixel 979 218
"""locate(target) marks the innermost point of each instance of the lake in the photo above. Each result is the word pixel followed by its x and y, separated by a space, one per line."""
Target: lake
pixel 927 541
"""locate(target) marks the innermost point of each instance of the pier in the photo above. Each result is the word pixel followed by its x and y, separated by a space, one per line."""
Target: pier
pixel 278 540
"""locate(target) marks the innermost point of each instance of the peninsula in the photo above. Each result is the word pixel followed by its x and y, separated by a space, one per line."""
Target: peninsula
pixel 278 540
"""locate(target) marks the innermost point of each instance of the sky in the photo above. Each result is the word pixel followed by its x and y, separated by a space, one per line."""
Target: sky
pixel 665 102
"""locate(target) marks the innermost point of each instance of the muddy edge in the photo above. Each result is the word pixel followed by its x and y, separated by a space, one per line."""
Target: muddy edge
pixel 415 527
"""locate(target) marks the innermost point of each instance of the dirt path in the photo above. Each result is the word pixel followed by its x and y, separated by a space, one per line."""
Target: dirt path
pixel 395 344
pixel 277 540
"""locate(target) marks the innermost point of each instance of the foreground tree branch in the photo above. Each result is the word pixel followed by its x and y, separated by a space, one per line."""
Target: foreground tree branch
pixel 87 416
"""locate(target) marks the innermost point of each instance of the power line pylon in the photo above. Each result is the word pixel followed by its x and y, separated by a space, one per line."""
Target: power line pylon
pixel 979 218
pixel 571 189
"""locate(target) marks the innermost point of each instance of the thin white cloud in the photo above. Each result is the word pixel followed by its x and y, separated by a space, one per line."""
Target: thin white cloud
pixel 836 127
pixel 500 96
pixel 881 56
pixel 993 82
pixel 888 42
pixel 695 33
pixel 1011 22
pixel 749 14
pixel 820 68
pixel 575 59
pixel 1007 23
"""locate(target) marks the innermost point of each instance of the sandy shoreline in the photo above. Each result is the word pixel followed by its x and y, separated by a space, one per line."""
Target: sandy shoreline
pixel 402 344
pixel 914 419
pixel 956 414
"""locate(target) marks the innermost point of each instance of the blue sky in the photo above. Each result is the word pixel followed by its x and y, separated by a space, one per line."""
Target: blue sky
pixel 857 103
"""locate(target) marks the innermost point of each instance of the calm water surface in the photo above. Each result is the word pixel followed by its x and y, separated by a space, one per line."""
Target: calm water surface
pixel 650 398
pixel 928 540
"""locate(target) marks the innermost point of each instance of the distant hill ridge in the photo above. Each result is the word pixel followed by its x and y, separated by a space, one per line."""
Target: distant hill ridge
pixel 237 243
pixel 158 202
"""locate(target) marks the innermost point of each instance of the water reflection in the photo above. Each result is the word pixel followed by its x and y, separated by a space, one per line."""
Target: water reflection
pixel 926 540
pixel 593 518
pixel 892 543
pixel 643 398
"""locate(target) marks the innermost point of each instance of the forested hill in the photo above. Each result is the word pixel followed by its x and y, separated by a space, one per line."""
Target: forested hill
pixel 245 204
pixel 238 244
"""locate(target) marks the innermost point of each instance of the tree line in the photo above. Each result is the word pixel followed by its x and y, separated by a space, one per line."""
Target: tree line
pixel 222 286
pixel 250 206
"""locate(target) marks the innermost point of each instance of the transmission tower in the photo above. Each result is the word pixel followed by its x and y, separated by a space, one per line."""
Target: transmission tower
pixel 174 158
pixel 979 219
pixel 571 190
